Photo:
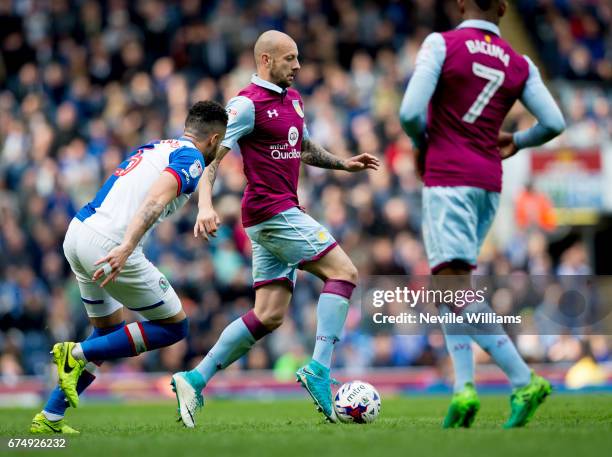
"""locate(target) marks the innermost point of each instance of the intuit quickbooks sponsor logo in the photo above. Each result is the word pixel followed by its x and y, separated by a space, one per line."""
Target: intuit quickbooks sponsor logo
pixel 280 155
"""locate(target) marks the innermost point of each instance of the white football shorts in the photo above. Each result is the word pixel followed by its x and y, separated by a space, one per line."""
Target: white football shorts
pixel 140 286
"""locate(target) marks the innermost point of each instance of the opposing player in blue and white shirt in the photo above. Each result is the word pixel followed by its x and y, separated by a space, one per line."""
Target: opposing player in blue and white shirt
pixel 104 248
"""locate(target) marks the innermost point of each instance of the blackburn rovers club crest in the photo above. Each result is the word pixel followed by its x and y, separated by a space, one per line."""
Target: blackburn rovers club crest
pixel 298 108
pixel 163 284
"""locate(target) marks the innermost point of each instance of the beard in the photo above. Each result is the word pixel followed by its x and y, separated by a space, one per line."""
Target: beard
pixel 210 154
pixel 280 79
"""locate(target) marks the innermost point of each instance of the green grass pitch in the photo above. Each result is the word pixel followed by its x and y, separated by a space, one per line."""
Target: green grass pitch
pixel 567 425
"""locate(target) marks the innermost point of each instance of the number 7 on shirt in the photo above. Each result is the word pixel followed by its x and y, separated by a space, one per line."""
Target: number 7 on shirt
pixel 496 79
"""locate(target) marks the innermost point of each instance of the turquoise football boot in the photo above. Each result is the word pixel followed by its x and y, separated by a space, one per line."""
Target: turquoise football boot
pixel 189 398
pixel 315 378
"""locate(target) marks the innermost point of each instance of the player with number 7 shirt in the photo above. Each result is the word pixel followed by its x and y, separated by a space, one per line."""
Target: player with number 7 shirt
pixel 465 82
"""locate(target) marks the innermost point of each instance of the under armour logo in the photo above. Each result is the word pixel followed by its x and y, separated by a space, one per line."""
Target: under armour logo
pixel 272 113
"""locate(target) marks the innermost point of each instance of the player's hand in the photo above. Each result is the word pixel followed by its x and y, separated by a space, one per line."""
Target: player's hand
pixel 207 223
pixel 111 264
pixel 361 162
pixel 507 148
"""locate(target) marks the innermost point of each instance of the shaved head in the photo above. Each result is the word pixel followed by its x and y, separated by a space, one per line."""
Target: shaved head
pixel 271 42
pixel 276 56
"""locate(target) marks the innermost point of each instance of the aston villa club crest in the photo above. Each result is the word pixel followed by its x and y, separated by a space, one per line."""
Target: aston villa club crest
pixel 298 108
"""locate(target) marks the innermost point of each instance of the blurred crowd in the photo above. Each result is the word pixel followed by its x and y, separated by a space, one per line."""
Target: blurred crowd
pixel 574 36
pixel 574 40
pixel 83 83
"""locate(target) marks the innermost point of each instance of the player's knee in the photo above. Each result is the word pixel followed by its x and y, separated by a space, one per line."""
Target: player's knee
pixel 272 318
pixel 154 335
pixel 352 273
pixel 347 272
pixel 184 332
pixel 273 321
pixel 178 330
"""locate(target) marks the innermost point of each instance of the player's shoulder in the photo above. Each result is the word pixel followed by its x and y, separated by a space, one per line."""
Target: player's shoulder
pixel 533 68
pixel 434 43
pixel 174 148
pixel 509 49
pixel 239 102
pixel 293 93
pixel 252 91
pixel 521 63
pixel 154 150
pixel 451 34
pixel 186 151
pixel 168 145
pixel 186 155
pixel 241 109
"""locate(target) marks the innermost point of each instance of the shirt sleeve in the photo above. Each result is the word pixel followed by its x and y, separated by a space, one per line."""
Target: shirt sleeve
pixel 422 85
pixel 538 100
pixel 241 120
pixel 186 166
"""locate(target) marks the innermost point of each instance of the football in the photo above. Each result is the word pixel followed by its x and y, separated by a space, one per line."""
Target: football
pixel 357 402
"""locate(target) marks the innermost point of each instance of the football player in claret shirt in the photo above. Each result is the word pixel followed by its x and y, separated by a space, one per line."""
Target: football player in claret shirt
pixel 266 120
pixel 465 82
pixel 103 246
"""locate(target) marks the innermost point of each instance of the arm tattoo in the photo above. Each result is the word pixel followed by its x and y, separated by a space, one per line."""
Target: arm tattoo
pixel 146 217
pixel 317 156
pixel 211 172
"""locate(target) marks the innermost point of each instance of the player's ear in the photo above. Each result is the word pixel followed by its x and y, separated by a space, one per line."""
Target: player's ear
pixel 213 139
pixel 216 138
pixel 461 5
pixel 266 60
pixel 501 9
